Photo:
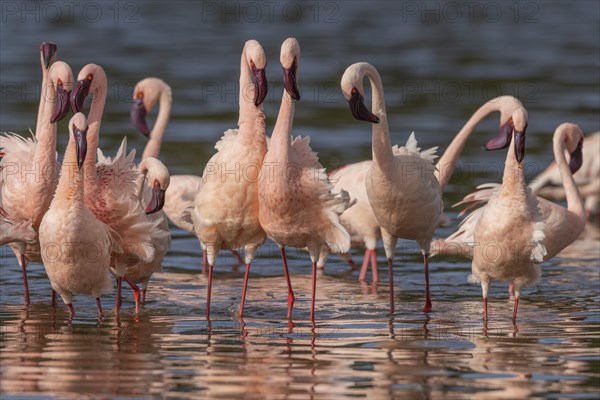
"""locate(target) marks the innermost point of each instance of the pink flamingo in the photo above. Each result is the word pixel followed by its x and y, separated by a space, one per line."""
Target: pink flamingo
pixel 296 204
pixel 401 186
pixel 29 167
pixel 182 191
pixel 225 213
pixel 111 185
pixel 76 246
pixel 360 221
pixel 515 230
pixel 548 184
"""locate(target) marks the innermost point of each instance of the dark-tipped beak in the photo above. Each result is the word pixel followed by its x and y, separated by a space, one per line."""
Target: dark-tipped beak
pixel 576 160
pixel 359 110
pixel 157 201
pixel 502 140
pixel 48 50
pixel 519 146
pixel 138 117
pixel 260 86
pixel 80 145
pixel 79 93
pixel 61 104
pixel 290 83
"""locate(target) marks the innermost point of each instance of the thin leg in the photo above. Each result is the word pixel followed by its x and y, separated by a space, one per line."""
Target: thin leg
pixel 237 257
pixel 314 291
pixel 514 319
pixel 53 299
pixel 208 293
pixel 25 282
pixel 427 307
pixel 485 308
pixel 71 310
pixel 204 261
pixel 391 278
pixel 246 275
pixel 363 269
pixel 136 293
pixel 144 289
pixel 291 297
pixel 373 256
pixel 118 303
pixel 351 263
pixel 99 305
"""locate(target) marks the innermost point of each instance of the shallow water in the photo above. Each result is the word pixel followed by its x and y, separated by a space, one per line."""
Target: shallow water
pixel 436 72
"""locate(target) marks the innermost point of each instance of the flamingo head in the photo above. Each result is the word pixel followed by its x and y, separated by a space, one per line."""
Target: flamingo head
pixel 138 113
pixel 82 88
pixel 146 94
pixel 353 91
pixel 79 128
pixel 48 54
pixel 257 61
pixel 61 77
pixel 157 176
pixel 573 139
pixel 515 128
pixel 290 54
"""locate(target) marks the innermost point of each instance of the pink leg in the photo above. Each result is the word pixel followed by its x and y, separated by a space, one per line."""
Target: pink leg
pixel 144 294
pixel 99 305
pixel 136 293
pixel 485 309
pixel 53 299
pixel 515 310
pixel 118 303
pixel 204 261
pixel 363 268
pixel 391 277
pixel 351 264
pixel 314 290
pixel 210 274
pixel 427 307
pixel 291 296
pixel 237 256
pixel 373 256
pixel 25 282
pixel 246 275
pixel 71 310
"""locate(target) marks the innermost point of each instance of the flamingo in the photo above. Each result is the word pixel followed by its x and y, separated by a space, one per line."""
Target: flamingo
pixel 152 193
pixel 111 186
pixel 296 204
pixel 587 179
pixel 48 52
pixel 182 190
pixel 360 221
pixel 225 213
pixel 29 170
pixel 401 186
pixel 521 229
pixel 21 232
pixel 76 246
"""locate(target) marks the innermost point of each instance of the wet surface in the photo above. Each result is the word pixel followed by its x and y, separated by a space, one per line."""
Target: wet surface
pixel 356 349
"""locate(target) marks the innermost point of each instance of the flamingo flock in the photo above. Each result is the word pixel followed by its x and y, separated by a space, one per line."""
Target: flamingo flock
pixel 99 220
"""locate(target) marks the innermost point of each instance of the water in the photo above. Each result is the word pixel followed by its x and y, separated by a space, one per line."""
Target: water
pixel 436 69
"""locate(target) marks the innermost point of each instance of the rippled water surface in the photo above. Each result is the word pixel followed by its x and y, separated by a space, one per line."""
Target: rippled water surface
pixel 436 69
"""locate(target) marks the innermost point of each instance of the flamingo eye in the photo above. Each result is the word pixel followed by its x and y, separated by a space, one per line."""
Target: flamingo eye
pixel 90 77
pixel 353 91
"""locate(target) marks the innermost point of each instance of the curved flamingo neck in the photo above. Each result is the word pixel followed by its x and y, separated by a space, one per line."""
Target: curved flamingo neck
pixel 94 121
pixel 574 200
pixel 45 151
pixel 43 94
pixel 382 147
pixel 154 144
pixel 513 179
pixel 447 162
pixel 248 111
pixel 281 139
